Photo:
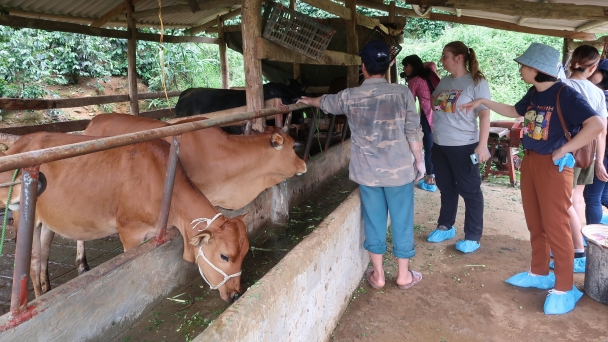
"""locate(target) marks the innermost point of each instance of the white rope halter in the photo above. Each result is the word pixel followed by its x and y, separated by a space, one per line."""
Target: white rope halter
pixel 202 254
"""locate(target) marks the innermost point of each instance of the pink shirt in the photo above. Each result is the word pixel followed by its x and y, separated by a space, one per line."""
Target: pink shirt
pixel 420 89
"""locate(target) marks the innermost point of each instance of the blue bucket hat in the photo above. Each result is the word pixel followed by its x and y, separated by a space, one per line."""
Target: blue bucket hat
pixel 541 57
pixel 375 53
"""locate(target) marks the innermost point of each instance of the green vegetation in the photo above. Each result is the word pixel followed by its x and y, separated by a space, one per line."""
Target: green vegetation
pixel 31 59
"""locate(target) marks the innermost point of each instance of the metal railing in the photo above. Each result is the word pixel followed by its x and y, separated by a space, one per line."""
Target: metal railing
pixel 30 162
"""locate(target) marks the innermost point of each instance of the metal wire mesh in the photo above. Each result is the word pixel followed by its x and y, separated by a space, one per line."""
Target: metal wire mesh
pixel 378 34
pixel 296 31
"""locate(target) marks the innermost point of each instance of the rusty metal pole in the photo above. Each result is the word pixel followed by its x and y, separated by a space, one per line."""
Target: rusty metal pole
pixel 161 226
pixel 311 133
pixel 25 234
pixel 330 131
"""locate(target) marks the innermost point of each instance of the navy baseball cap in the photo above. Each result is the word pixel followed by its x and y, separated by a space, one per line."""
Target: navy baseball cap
pixel 375 54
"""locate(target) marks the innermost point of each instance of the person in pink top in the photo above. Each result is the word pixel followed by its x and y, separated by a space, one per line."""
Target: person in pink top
pixel 422 80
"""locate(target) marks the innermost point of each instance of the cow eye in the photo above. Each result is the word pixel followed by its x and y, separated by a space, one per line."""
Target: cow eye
pixel 225 258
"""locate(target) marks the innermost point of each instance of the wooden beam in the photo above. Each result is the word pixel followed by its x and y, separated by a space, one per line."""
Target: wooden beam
pixel 525 8
pixel 112 13
pixel 42 104
pixel 297 71
pixel 352 44
pixel 330 7
pixel 48 25
pixel 60 127
pixel 273 52
pixel 252 32
pixel 590 25
pixel 497 24
pixel 224 66
pixel 182 9
pixel 193 6
pixel 159 113
pixel 132 60
pixel 224 15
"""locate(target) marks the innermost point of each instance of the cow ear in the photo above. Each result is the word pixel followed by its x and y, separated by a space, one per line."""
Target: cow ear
pixel 202 238
pixel 276 140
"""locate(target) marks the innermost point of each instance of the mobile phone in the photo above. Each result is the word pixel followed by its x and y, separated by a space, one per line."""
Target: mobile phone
pixel 475 158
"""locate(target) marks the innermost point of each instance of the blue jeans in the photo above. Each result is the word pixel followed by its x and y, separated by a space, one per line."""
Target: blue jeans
pixel 376 203
pixel 595 196
pixel 427 143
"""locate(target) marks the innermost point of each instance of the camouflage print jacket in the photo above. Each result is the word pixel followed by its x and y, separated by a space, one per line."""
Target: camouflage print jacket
pixel 383 119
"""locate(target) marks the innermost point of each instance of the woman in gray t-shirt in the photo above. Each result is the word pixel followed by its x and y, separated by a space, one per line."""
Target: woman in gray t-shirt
pixel 459 145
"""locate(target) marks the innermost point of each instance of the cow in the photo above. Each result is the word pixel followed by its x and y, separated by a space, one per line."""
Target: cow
pixel 195 101
pixel 119 191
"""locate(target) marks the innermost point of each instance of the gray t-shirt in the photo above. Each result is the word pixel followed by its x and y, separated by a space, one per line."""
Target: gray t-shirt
pixel 452 126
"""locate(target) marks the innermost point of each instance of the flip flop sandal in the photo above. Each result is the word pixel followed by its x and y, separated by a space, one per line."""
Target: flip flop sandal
pixel 416 278
pixel 368 276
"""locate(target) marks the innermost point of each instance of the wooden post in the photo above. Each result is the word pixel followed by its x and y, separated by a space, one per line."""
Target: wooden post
pixel 352 72
pixel 224 66
pixel 251 27
pixel 566 56
pixel 131 55
pixel 297 72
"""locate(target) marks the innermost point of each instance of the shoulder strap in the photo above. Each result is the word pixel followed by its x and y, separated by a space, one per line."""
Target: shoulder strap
pixel 559 114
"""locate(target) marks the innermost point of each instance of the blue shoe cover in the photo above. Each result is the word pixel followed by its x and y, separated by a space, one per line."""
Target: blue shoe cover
pixel 579 265
pixel 439 235
pixel 467 246
pixel 428 187
pixel 558 302
pixel 527 279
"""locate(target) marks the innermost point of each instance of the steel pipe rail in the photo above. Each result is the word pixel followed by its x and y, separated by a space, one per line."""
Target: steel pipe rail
pixel 46 155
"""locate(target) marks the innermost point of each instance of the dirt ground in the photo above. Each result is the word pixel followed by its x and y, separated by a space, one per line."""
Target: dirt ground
pixel 464 297
pixel 85 87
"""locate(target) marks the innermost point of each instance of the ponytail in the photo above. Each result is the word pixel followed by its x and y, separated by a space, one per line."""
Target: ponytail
pixel 474 67
pixel 470 58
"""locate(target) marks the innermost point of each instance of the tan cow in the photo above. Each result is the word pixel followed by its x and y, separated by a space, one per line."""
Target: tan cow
pixel 119 191
pixel 231 170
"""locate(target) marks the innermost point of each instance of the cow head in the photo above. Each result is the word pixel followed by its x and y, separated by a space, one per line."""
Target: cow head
pixel 220 249
pixel 289 161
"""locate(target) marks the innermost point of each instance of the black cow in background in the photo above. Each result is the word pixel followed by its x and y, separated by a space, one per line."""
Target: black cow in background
pixel 194 101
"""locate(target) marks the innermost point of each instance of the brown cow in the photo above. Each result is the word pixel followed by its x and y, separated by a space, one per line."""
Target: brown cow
pixel 119 191
pixel 231 170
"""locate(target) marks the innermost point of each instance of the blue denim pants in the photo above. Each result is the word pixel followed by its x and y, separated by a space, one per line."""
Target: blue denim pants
pixel 595 196
pixel 376 204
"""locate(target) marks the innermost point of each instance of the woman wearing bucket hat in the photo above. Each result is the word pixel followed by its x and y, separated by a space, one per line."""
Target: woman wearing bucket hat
pixel 583 63
pixel 459 145
pixel 596 194
pixel 546 185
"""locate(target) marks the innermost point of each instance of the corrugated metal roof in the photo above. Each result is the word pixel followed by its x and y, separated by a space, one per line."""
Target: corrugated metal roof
pixel 84 11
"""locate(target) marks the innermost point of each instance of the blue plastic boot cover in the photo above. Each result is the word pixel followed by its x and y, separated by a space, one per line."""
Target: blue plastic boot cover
pixel 579 265
pixel 439 235
pixel 558 303
pixel 467 246
pixel 428 187
pixel 528 279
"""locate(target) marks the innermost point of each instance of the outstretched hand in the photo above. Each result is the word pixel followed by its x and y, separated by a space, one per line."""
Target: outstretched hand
pixel 471 105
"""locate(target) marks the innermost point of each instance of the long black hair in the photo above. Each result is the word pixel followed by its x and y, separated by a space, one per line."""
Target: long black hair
pixel 418 68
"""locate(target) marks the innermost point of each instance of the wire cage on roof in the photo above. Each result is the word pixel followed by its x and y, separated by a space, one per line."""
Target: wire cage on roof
pixel 296 31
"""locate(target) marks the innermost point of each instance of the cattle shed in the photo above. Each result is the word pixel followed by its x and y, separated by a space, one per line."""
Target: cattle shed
pixel 270 307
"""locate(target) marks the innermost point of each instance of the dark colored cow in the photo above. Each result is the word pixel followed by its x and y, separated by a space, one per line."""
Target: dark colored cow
pixel 196 101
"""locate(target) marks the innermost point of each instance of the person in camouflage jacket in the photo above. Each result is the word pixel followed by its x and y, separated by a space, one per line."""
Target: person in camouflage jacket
pixel 386 159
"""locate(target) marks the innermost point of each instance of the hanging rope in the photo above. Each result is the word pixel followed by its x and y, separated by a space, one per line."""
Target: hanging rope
pixel 161 53
pixel 8 201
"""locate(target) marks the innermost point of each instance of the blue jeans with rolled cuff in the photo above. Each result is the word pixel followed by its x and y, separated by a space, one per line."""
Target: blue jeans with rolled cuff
pixel 596 196
pixel 376 204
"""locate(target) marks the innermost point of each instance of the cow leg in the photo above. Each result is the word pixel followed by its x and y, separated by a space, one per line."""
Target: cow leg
pixel 81 258
pixel 35 262
pixel 46 239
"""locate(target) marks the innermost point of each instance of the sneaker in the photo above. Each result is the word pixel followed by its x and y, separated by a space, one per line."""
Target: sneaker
pixel 579 265
pixel 467 246
pixel 439 234
pixel 529 279
pixel 559 302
